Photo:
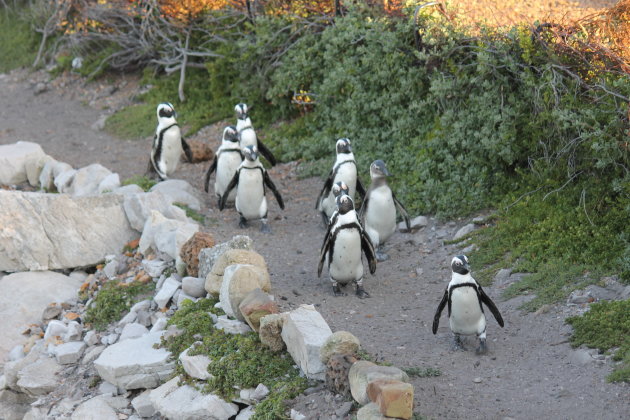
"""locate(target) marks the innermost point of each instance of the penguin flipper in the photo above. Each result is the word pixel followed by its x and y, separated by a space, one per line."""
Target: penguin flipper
pixel 363 208
pixel 438 312
pixel 268 182
pixel 324 250
pixel 490 304
pixel 403 211
pixel 326 189
pixel 368 249
pixel 266 153
pixel 360 188
pixel 229 188
pixel 211 169
pixel 187 151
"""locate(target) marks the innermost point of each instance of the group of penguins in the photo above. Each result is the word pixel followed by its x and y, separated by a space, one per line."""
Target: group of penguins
pixel 242 180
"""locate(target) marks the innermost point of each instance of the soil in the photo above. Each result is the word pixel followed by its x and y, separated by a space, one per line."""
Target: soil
pixel 528 371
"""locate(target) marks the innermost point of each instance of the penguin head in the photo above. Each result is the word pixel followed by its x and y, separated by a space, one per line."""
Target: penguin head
pixel 343 146
pixel 459 265
pixel 340 188
pixel 344 204
pixel 378 169
pixel 250 153
pixel 166 110
pixel 241 111
pixel 230 134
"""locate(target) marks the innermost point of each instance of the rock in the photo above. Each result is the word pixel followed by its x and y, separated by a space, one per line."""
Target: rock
pixel 195 366
pixel 69 352
pixel 128 319
pixel 477 380
pixel 340 342
pixel 231 326
pixel 214 280
pixel 16 353
pixel 47 176
pixel 238 281
pixel 208 256
pixel 94 409
pixel 53 310
pixel 201 152
pixel 344 410
pixel 394 398
pixel 364 372
pixel 32 238
pixel 63 181
pixel 166 292
pixel 86 180
pixel 159 325
pixel 337 370
pixel 463 231
pixel 601 293
pixel 192 247
pixel 186 403
pixel 165 235
pixel 580 357
pixel 579 297
pixel 296 415
pixel 55 329
pixel 133 330
pixel 254 395
pixel 246 414
pixel 139 206
pixel 370 411
pixel 14 160
pixel 135 363
pixel 502 277
pixel 91 354
pixel 99 124
pixel 415 223
pixel 129 189
pixel 194 286
pixel 110 183
pixel 270 331
pixel 255 305
pixel 178 191
pixel 304 333
pixel 154 268
pixel 107 388
pixel 34 169
pixel 39 378
pixel 143 405
pixel 35 290
pixel 14 405
pixel 74 331
pixel 11 369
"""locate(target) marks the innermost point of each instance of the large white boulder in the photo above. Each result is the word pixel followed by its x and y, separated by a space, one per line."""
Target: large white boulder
pixel 39 378
pixel 23 296
pixel 16 158
pixel 165 235
pixel 94 409
pixel 54 231
pixel 305 331
pixel 87 179
pixel 139 206
pixel 179 191
pixel 134 363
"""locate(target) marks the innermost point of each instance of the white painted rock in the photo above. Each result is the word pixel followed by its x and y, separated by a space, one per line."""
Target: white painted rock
pixel 195 366
pixel 134 363
pixel 110 183
pixel 139 206
pixel 39 378
pixel 47 176
pixel 238 281
pixel 32 237
pixel 87 180
pixel 94 409
pixel 14 160
pixel 165 235
pixel 166 292
pixel 133 330
pixel 69 352
pixel 179 191
pixel 305 331
pixel 22 298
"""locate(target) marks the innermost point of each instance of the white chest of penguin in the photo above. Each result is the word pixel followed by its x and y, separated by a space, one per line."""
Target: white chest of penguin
pixel 381 211
pixel 465 311
pixel 346 264
pixel 171 148
pixel 250 195
pixel 347 172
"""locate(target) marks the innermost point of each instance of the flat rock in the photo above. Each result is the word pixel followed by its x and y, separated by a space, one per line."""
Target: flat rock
pixel 14 405
pixel 69 352
pixel 208 256
pixel 214 279
pixel 580 357
pixel 143 405
pixel 138 207
pixel 39 378
pixel 179 191
pixel 14 160
pixel 255 305
pixel 195 366
pixel 165 235
pixel 194 286
pixel 166 292
pixel 415 223
pixel 463 231
pixel 363 372
pixel 94 409
pixel 133 330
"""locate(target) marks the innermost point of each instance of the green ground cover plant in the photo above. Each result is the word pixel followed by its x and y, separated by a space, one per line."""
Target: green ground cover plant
pixel 18 43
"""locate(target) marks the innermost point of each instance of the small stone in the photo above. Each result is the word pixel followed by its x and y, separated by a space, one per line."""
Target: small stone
pixel 194 286
pixel 107 388
pixel 167 291
pixel 69 352
pixel 91 354
pixel 415 223
pixel 580 357
pixel 39 378
pixel 154 268
pixel 16 353
pixel 463 231
pixel 74 332
pixel 477 380
pixel 502 277
pixel 94 409
pixel 52 311
pixel 55 329
pixel 231 326
pixel 133 330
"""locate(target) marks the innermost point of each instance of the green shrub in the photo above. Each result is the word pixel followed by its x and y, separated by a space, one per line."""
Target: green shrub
pixel 18 44
pixel 112 300
pixel 141 180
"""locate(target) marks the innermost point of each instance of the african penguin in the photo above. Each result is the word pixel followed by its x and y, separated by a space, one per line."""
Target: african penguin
pixel 227 159
pixel 344 169
pixel 247 135
pixel 378 210
pixel 168 143
pixel 343 246
pixel 250 181
pixel 464 297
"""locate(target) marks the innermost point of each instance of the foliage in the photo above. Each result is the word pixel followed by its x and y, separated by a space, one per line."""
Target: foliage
pixel 606 326
pixel 18 45
pixel 134 122
pixel 419 372
pixel 142 181
pixel 112 300
pixel 193 214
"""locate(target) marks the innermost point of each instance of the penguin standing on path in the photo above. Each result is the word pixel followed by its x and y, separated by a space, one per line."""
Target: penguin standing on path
pixel 227 159
pixel 250 181
pixel 247 135
pixel 168 143
pixel 343 246
pixel 344 170
pixel 465 311
pixel 378 210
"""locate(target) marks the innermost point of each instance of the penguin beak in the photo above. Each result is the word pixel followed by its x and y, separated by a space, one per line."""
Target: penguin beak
pixel 254 155
pixel 386 172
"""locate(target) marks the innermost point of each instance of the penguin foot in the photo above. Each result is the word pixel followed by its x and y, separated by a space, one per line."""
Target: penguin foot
pixel 264 228
pixel 380 257
pixel 242 223
pixel 482 349
pixel 457 344
pixel 337 291
pixel 361 293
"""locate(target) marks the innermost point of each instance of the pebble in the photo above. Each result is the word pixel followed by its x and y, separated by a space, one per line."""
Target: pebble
pixel 477 380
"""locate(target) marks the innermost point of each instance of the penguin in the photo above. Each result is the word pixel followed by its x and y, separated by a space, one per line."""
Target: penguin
pixel 343 246
pixel 465 311
pixel 340 188
pixel 378 210
pixel 247 135
pixel 168 143
pixel 250 181
pixel 227 159
pixel 344 169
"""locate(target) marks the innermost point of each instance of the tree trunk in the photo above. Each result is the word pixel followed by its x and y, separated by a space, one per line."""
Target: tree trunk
pixel 182 70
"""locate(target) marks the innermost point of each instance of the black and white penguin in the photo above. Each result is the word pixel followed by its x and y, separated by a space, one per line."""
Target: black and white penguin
pixel 227 159
pixel 343 246
pixel 247 135
pixel 465 311
pixel 378 210
pixel 168 143
pixel 344 170
pixel 250 181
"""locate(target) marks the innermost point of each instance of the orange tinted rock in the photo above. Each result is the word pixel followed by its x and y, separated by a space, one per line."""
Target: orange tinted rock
pixel 394 398
pixel 190 251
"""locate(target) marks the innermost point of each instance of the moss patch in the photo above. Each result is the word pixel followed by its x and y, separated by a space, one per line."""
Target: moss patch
pixel 193 214
pixel 112 300
pixel 18 44
pixel 142 181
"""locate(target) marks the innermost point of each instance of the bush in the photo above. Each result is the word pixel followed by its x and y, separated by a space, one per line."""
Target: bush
pixel 18 44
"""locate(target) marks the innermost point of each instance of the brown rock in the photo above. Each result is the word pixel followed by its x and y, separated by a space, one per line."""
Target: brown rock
pixel 214 279
pixel 201 151
pixel 337 369
pixel 394 398
pixel 190 251
pixel 340 342
pixel 256 305
pixel 364 372
pixel 270 332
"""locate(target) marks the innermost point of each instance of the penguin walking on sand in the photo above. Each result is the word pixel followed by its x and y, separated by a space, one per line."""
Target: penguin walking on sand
pixel 247 135
pixel 343 246
pixel 344 170
pixel 227 159
pixel 250 181
pixel 464 297
pixel 378 210
pixel 168 143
